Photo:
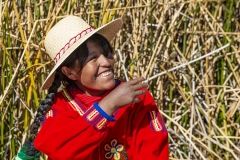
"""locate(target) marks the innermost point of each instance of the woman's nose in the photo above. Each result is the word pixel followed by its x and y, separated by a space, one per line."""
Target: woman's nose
pixel 104 60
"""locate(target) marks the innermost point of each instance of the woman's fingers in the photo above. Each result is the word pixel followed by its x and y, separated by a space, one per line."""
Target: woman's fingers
pixel 140 85
pixel 136 80
pixel 136 99
pixel 139 92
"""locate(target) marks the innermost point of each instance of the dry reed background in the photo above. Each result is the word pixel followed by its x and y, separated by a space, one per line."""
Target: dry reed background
pixel 199 102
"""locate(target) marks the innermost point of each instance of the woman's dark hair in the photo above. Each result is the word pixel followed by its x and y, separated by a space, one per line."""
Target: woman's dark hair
pixel 79 55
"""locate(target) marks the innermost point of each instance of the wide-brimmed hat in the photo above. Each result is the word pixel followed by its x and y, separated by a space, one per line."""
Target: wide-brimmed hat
pixel 68 34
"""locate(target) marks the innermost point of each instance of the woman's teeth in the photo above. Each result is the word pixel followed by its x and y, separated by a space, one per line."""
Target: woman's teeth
pixel 105 74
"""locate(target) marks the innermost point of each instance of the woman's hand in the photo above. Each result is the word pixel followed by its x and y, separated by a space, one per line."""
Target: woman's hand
pixel 126 93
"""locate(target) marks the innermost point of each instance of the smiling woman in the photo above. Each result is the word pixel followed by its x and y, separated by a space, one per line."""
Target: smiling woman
pixel 93 109
pixel 98 66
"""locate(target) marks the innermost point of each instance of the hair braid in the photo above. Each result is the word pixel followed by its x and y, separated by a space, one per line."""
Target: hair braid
pixel 28 150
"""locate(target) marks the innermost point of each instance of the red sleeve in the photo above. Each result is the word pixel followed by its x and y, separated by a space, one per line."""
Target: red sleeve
pixel 67 135
pixel 149 134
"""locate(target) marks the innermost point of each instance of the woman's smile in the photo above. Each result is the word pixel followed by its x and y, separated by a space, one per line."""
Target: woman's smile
pixel 105 74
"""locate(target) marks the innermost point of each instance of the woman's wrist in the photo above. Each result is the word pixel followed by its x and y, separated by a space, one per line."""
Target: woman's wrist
pixel 106 107
pixel 103 112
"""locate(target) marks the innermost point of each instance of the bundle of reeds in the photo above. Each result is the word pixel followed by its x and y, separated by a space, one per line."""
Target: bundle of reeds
pixel 199 101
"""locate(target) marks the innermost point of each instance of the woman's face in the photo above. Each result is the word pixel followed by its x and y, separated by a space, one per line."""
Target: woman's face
pixel 97 75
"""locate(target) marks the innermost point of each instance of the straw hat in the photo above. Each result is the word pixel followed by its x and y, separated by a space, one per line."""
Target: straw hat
pixel 68 34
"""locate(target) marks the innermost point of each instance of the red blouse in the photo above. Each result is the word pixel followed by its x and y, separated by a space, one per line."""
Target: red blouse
pixel 73 129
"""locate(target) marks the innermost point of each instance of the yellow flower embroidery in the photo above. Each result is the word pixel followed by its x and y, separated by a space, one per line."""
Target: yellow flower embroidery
pixel 114 151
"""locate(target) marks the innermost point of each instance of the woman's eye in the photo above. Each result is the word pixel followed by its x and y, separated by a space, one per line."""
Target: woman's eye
pixel 109 55
pixel 94 58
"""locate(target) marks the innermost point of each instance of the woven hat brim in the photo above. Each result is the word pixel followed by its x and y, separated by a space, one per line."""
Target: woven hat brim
pixel 108 30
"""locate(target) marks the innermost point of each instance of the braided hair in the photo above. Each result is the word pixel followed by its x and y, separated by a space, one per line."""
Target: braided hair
pixel 28 151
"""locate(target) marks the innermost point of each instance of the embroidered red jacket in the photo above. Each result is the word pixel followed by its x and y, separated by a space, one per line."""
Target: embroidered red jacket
pixel 74 130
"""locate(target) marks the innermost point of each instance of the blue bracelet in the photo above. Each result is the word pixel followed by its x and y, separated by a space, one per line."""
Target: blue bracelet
pixel 104 114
